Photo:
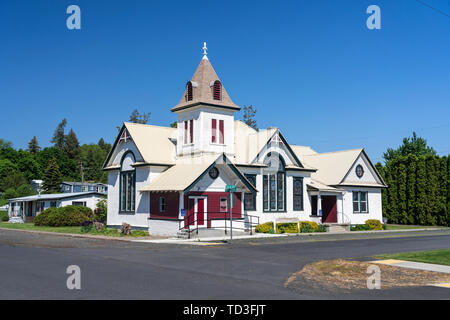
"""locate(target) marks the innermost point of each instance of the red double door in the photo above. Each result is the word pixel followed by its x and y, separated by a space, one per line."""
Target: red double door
pixel 196 211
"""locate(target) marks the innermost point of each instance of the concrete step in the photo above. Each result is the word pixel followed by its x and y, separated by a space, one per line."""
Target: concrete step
pixel 337 227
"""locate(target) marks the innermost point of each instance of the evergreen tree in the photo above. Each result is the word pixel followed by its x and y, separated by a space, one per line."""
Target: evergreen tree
pixel 432 186
pixel 411 169
pixel 104 146
pixel 448 190
pixel 93 170
pixel 402 180
pixel 33 146
pixel 384 196
pixel 421 193
pixel 411 145
pixel 441 216
pixel 249 117
pixel 392 206
pixel 59 136
pixel 52 177
pixel 72 146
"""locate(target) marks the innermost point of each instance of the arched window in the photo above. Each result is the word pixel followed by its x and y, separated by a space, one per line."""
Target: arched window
pixel 189 93
pixel 274 183
pixel 217 90
pixel 127 189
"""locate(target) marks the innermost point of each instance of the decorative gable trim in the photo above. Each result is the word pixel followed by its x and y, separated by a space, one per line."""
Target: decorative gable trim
pixel 116 143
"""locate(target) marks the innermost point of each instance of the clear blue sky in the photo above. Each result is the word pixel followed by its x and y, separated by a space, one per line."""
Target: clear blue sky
pixel 311 68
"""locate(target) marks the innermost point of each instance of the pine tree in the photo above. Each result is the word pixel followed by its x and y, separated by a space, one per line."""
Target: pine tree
pixel 249 117
pixel 104 146
pixel 52 177
pixel 72 146
pixel 59 136
pixel 411 168
pixel 33 146
pixel 93 171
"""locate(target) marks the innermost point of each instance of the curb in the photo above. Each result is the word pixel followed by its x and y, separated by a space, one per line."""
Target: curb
pixel 74 235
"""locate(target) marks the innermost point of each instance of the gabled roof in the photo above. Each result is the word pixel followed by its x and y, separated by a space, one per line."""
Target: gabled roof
pixel 334 166
pixel 147 139
pixel 184 175
pixel 202 82
pixel 249 143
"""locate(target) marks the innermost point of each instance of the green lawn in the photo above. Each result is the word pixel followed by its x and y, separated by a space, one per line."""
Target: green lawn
pixel 432 256
pixel 401 227
pixel 73 230
pixel 31 226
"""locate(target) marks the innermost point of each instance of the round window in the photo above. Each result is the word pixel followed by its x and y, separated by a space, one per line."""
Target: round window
pixel 359 171
pixel 214 173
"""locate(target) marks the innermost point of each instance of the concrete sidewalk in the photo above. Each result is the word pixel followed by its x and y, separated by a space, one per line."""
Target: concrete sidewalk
pixel 314 235
pixel 415 265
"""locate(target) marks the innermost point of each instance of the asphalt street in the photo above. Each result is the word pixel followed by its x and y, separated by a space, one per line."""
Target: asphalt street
pixel 33 266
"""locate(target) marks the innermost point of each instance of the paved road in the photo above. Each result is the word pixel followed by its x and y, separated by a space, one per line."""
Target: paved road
pixel 33 267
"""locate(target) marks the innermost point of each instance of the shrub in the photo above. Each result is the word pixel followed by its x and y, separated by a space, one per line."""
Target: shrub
pixel 306 228
pixel 321 228
pixel 289 227
pixel 265 228
pixel 100 212
pixel 314 226
pixel 64 216
pixel 374 224
pixel 359 227
pixel 4 216
pixel 42 218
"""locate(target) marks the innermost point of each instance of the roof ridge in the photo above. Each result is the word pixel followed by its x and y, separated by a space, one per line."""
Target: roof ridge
pixel 339 151
pixel 149 125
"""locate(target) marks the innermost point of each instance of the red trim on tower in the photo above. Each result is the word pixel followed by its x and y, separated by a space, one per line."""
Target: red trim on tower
pixel 221 133
pixel 213 130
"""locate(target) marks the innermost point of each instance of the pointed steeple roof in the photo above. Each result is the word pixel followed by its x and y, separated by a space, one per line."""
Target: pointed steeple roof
pixel 202 89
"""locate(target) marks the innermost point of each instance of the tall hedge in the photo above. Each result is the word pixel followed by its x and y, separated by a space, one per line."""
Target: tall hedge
pixel 418 190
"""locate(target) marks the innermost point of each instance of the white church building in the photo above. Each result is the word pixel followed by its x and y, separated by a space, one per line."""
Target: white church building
pixel 169 179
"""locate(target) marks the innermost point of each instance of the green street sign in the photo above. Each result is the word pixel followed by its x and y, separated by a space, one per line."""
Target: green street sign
pixel 230 188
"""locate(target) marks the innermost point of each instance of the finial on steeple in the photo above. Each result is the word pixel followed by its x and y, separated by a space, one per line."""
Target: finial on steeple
pixel 204 51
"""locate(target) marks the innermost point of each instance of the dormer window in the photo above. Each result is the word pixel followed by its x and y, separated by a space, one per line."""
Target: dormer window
pixel 217 90
pixel 189 92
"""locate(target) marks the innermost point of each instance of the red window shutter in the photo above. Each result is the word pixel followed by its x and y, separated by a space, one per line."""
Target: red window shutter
pixel 217 94
pixel 185 132
pixel 191 124
pixel 213 130
pixel 221 133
